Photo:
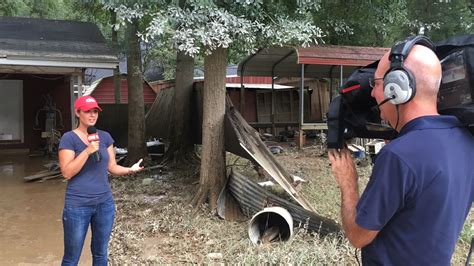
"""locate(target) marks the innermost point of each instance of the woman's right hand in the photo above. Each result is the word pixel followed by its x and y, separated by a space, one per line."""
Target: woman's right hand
pixel 93 147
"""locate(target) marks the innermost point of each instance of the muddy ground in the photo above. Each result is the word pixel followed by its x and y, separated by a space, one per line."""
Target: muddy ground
pixel 156 224
pixel 30 214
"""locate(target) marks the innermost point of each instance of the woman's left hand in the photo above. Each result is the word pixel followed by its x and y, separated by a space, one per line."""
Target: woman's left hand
pixel 136 167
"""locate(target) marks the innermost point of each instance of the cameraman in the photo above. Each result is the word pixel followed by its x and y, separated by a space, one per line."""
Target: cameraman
pixel 422 184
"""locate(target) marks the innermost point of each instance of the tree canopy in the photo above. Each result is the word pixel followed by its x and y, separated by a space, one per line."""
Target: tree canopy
pixel 247 24
pixel 243 26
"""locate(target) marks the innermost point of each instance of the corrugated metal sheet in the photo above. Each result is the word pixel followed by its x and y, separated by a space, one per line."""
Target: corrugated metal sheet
pixel 252 198
pixel 159 117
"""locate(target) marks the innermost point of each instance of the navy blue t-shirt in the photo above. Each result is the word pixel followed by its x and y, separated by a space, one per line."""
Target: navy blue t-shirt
pixel 91 185
pixel 419 194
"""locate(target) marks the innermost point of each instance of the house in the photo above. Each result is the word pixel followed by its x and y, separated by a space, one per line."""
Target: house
pixel 297 64
pixel 42 62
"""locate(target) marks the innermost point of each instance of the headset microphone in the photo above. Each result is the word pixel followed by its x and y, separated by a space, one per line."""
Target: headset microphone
pixel 93 136
pixel 377 107
pixel 386 100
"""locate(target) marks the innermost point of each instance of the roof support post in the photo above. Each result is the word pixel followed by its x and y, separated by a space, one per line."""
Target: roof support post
pixel 71 98
pixel 242 87
pixel 301 133
pixel 242 98
pixel 341 76
pixel 80 83
pixel 330 83
pixel 273 106
pixel 73 78
pixel 272 116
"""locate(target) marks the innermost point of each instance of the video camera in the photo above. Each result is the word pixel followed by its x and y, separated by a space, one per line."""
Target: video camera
pixel 354 113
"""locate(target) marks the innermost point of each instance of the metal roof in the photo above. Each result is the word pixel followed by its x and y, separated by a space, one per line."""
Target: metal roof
pixel 53 43
pixel 320 61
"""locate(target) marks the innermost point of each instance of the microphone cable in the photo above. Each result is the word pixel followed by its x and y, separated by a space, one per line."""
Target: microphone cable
pixel 398 116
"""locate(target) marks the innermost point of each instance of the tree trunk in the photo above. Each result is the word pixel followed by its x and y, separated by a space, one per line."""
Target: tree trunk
pixel 136 106
pixel 213 151
pixel 180 151
pixel 117 78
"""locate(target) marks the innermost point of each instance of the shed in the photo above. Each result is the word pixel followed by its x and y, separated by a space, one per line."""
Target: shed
pixel 42 63
pixel 315 62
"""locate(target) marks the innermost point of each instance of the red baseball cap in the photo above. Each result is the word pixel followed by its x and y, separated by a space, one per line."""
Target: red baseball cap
pixel 85 103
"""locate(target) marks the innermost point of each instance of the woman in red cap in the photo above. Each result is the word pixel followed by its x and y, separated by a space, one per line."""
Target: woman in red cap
pixel 86 155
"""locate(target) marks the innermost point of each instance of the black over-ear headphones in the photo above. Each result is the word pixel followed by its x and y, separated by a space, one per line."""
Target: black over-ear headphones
pixel 399 84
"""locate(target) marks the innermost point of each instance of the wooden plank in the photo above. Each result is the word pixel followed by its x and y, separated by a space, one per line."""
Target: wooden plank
pixel 48 178
pixel 314 126
pixel 40 175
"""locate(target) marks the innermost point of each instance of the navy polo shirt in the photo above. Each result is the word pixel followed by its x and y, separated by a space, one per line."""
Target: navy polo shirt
pixel 419 194
pixel 91 185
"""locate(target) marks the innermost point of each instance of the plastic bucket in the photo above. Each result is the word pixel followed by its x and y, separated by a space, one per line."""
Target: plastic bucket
pixel 275 222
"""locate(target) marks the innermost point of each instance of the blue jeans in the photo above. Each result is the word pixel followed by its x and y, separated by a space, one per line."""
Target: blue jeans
pixel 76 222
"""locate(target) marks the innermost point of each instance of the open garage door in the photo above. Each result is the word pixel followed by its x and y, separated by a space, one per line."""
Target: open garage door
pixel 11 111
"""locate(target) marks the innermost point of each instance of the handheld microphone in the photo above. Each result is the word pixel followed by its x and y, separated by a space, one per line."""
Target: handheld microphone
pixel 93 136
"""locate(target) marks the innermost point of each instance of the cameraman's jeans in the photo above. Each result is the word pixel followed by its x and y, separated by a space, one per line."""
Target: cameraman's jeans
pixel 76 222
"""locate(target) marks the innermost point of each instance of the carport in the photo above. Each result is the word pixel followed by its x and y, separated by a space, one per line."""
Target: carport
pixel 42 64
pixel 315 62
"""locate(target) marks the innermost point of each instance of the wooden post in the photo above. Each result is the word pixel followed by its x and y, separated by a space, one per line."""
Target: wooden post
pixel 301 139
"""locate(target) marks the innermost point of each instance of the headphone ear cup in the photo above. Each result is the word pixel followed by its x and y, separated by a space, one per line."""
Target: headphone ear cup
pixel 397 86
